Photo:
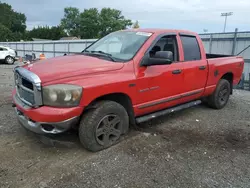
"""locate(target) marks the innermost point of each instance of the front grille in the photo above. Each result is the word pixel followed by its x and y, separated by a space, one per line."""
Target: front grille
pixel 27 84
pixel 28 87
pixel 26 95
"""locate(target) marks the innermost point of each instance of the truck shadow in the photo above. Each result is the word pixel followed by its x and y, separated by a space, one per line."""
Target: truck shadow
pixel 183 137
pixel 67 140
pixel 178 137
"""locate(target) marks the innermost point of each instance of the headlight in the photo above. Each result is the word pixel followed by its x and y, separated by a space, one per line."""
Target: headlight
pixel 62 95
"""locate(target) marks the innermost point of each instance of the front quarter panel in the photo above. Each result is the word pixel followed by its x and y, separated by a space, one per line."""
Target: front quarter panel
pixel 100 84
pixel 122 81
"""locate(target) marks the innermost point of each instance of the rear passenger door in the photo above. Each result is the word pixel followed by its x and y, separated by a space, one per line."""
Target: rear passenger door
pixel 194 66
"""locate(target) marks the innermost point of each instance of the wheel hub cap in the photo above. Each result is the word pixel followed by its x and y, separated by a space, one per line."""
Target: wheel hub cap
pixel 223 94
pixel 108 130
pixel 9 60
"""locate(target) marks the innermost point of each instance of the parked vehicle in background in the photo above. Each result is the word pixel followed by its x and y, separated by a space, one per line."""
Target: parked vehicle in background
pixel 7 55
pixel 125 78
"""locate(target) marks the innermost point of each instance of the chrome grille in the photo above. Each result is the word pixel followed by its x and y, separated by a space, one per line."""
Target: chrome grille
pixel 28 87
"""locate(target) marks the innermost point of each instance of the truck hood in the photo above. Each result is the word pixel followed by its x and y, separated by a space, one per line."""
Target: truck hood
pixel 69 66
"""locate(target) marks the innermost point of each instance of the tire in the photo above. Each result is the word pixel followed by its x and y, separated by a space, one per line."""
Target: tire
pixel 9 60
pixel 103 126
pixel 219 98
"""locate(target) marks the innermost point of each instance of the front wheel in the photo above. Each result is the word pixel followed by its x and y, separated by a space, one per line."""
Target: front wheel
pixel 9 60
pixel 103 126
pixel 220 96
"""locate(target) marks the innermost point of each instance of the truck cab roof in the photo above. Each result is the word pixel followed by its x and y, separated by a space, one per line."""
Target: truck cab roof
pixel 160 31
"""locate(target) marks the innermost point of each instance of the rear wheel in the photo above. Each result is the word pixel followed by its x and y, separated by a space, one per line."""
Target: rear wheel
pixel 9 60
pixel 220 96
pixel 103 126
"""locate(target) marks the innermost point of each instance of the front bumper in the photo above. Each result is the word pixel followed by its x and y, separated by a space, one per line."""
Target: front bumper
pixel 45 127
pixel 45 119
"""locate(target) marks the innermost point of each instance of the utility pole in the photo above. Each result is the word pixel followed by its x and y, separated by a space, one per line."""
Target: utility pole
pixel 226 14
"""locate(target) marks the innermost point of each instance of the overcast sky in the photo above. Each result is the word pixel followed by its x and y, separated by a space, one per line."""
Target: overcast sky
pixel 193 15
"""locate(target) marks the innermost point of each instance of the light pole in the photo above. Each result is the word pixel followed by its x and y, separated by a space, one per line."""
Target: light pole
pixel 226 14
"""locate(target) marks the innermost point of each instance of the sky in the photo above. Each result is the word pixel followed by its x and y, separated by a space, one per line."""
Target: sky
pixel 195 15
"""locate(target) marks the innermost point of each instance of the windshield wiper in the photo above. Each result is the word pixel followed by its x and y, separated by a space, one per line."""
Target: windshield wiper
pixel 101 53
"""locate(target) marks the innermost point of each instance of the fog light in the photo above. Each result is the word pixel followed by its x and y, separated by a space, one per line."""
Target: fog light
pixel 47 127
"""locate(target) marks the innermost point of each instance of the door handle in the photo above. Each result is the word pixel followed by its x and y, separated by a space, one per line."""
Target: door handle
pixel 202 67
pixel 176 71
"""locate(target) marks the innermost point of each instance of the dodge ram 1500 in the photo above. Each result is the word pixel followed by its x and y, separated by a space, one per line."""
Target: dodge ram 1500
pixel 125 78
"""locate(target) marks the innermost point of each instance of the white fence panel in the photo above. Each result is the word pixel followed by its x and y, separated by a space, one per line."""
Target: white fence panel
pixel 219 43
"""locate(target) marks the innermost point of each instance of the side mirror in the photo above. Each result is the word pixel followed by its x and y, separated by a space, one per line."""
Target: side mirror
pixel 164 55
pixel 160 58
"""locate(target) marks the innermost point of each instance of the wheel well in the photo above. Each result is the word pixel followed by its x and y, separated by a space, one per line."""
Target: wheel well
pixel 229 77
pixel 122 99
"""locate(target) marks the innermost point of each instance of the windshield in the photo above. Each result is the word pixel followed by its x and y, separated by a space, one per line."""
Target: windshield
pixel 121 45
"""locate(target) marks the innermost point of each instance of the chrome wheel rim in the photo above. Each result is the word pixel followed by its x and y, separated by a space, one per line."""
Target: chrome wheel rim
pixel 9 60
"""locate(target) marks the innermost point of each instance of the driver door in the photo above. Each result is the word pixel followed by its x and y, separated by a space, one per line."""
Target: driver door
pixel 160 86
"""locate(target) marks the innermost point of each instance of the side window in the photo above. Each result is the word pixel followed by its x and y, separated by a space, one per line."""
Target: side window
pixel 191 48
pixel 166 43
pixel 3 49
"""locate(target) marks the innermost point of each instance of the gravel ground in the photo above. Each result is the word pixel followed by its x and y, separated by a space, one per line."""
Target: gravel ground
pixel 197 147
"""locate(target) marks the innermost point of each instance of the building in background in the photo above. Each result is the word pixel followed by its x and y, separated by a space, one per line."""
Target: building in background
pixel 69 38
pixel 37 39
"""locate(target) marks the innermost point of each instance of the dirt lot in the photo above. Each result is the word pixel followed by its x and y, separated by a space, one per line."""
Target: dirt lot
pixel 197 147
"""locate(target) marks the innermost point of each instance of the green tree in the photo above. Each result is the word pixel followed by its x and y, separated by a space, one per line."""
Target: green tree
pixel 5 15
pixel 5 34
pixel 46 32
pixel 93 24
pixel 18 23
pixel 136 25
pixel 112 20
pixel 57 32
pixel 14 23
pixel 71 21
pixel 89 23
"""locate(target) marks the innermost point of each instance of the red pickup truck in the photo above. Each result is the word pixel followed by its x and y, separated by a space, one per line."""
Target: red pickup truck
pixel 125 78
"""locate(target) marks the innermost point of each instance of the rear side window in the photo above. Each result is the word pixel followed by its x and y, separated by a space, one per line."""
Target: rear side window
pixel 191 48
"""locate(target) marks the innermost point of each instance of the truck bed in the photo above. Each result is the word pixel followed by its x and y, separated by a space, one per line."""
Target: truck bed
pixel 219 65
